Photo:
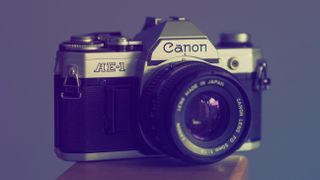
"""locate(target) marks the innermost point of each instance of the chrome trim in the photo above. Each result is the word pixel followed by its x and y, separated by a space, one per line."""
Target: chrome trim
pixel 235 38
pixel 248 146
pixel 128 154
pixel 122 64
pixel 101 155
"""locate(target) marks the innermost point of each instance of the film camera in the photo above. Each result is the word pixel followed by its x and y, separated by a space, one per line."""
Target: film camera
pixel 167 91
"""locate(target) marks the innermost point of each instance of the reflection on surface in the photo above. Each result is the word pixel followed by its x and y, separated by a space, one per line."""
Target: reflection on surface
pixel 233 167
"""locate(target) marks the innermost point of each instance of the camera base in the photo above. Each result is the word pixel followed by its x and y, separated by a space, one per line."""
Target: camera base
pixel 232 168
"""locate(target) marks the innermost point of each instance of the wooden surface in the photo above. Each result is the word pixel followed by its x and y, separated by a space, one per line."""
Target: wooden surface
pixel 232 168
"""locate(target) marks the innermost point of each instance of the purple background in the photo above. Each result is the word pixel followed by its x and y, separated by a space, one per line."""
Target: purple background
pixel 288 32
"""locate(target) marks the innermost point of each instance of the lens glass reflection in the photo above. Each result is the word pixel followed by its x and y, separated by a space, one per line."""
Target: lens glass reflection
pixel 206 116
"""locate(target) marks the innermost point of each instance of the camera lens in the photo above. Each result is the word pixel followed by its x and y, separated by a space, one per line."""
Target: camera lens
pixel 194 111
pixel 206 116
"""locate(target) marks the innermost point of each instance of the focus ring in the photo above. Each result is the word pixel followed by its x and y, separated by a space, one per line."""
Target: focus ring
pixel 155 117
pixel 158 96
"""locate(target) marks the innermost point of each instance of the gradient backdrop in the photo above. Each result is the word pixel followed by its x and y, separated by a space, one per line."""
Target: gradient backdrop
pixel 287 31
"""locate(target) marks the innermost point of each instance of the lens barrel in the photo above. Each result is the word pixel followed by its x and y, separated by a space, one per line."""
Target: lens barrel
pixel 194 111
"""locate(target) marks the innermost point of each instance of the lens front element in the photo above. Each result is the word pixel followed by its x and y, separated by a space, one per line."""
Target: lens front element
pixel 206 116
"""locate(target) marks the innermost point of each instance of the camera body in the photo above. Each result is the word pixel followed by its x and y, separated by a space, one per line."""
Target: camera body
pixel 167 91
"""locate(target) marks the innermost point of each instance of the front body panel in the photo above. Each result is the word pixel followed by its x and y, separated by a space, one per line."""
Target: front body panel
pixel 101 120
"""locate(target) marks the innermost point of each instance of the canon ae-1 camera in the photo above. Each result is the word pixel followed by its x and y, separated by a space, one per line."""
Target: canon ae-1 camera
pixel 167 91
